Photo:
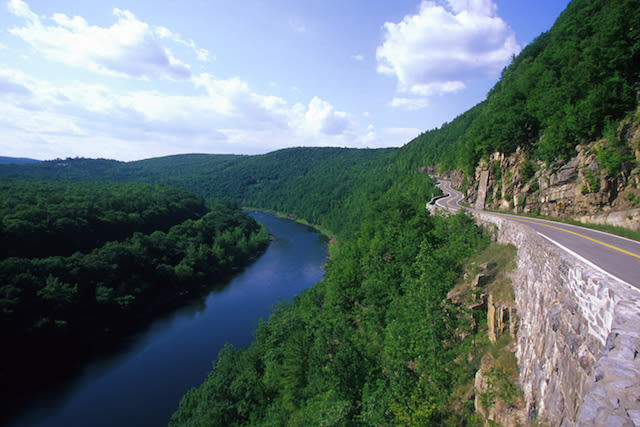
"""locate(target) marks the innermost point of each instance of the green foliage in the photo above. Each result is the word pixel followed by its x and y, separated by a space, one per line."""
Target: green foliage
pixel 44 218
pixel 325 186
pixel 591 182
pixel 560 91
pixel 365 346
pixel 634 199
pixel 499 385
pixel 376 342
pixel 614 156
pixel 167 244
pixel 58 292
pixel 528 169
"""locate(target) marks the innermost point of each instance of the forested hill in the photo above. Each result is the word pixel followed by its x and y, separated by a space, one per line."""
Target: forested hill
pixel 47 218
pixel 377 342
pixel 16 160
pixel 569 86
pixel 83 265
pixel 563 89
pixel 325 186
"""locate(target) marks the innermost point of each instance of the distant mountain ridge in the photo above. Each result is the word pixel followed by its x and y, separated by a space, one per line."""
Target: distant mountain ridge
pixel 318 184
pixel 4 160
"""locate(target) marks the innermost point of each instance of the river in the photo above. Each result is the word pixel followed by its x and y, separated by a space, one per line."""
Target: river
pixel 143 384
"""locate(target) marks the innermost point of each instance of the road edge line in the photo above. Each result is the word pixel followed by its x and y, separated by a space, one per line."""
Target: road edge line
pixel 581 227
pixel 589 263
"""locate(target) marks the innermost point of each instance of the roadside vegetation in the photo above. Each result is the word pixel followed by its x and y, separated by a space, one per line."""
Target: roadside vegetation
pixel 374 343
pixel 378 341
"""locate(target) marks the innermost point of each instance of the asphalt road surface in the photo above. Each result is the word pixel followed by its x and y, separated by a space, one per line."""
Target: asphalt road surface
pixel 616 256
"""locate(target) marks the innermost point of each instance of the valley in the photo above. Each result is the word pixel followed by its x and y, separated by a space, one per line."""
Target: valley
pixel 423 316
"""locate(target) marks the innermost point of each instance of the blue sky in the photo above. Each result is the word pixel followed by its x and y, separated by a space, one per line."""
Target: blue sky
pixel 136 79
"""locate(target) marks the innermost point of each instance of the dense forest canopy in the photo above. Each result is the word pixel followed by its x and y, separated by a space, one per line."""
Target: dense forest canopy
pixel 325 186
pixel 366 346
pixel 45 218
pixel 563 89
pixel 377 342
pixel 83 264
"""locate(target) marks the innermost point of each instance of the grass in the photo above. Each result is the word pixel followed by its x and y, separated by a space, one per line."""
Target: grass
pixel 504 258
pixel 502 374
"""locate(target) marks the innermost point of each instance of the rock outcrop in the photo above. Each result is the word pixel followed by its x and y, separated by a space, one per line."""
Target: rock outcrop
pixel 600 184
pixel 493 404
pixel 502 318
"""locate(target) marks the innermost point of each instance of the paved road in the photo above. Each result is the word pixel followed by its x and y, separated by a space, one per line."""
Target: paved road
pixel 617 256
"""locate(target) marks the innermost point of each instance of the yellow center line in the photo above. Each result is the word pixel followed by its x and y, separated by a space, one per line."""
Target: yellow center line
pixel 615 248
pixel 579 235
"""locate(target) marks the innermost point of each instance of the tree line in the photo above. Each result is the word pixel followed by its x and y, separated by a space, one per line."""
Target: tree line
pixel 374 343
pixel 44 218
pixel 112 256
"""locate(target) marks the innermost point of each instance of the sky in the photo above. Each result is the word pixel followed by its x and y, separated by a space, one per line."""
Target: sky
pixel 135 79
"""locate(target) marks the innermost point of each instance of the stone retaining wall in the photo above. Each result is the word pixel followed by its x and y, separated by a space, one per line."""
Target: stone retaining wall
pixel 578 344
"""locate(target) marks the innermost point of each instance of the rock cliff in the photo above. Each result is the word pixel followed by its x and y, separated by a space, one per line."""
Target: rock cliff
pixel 487 296
pixel 600 184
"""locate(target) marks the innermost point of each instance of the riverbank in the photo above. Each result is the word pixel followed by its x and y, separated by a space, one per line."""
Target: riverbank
pixel 326 233
pixel 141 384
pixel 51 363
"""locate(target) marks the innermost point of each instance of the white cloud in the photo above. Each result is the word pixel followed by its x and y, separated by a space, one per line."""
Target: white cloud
pixel 409 103
pixel 226 116
pixel 21 9
pixel 9 86
pixel 358 57
pixel 387 137
pixel 437 88
pixel 202 54
pixel 129 47
pixel 322 117
pixel 445 45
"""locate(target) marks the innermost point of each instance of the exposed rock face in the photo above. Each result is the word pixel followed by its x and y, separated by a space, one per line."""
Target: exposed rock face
pixel 482 189
pixel 629 218
pixel 455 176
pixel 500 413
pixel 578 343
pixel 496 398
pixel 501 318
pixel 579 189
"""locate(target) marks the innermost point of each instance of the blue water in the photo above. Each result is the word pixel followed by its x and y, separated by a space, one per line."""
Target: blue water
pixel 142 386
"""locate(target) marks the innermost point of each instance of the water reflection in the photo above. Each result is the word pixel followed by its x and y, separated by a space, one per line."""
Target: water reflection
pixel 143 383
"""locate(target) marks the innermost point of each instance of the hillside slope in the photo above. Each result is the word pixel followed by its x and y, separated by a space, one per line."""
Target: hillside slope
pixel 562 90
pixel 375 342
pixel 324 186
pixel 378 342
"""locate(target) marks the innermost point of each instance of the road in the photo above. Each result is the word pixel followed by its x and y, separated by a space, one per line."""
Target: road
pixel 616 256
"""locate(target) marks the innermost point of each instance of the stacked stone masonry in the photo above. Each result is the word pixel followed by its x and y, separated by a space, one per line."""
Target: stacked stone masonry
pixel 578 343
